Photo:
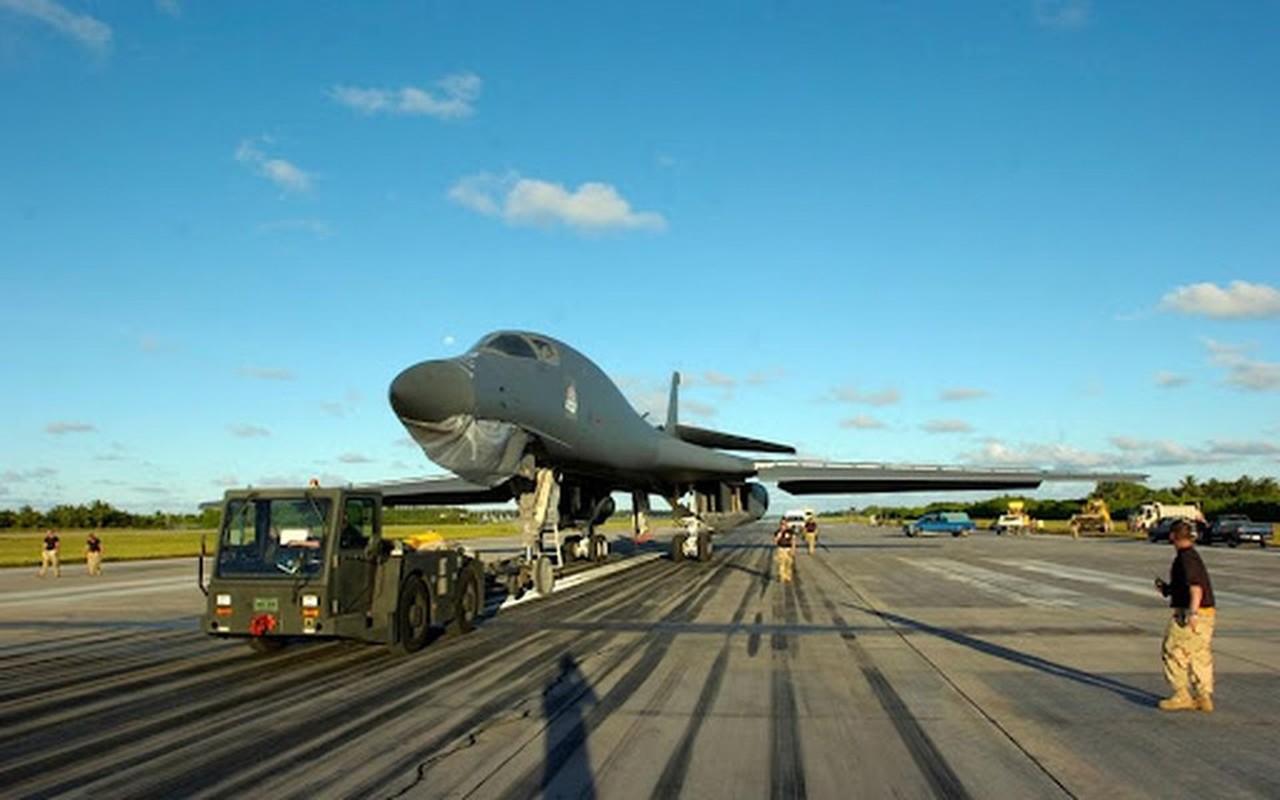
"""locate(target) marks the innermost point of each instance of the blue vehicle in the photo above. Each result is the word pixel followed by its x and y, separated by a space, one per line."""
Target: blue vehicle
pixel 956 523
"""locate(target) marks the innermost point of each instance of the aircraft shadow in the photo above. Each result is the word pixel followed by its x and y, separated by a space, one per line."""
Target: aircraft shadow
pixel 1130 693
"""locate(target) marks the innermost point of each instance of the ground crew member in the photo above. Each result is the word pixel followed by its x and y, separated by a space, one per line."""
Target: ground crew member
pixel 49 555
pixel 785 551
pixel 811 532
pixel 1188 659
pixel 93 554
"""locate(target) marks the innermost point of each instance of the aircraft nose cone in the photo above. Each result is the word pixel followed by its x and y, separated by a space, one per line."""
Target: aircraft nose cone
pixel 432 391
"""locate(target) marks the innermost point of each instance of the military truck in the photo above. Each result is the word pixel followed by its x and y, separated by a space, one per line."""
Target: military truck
pixel 313 563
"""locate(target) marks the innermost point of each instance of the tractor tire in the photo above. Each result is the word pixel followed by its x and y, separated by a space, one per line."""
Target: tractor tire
pixel 413 616
pixel 469 602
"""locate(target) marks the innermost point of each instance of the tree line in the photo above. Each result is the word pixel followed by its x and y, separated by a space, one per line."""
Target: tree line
pixel 1257 497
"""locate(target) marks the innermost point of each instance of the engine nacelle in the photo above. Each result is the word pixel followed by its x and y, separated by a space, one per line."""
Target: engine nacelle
pixel 584 506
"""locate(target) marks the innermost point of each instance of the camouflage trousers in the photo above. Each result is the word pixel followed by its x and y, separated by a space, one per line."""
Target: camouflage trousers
pixel 786 559
pixel 1188 659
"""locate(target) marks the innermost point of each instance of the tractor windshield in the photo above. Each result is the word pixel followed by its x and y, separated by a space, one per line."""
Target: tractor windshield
pixel 273 537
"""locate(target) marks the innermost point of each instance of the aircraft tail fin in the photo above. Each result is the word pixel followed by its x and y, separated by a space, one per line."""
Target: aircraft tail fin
pixel 673 403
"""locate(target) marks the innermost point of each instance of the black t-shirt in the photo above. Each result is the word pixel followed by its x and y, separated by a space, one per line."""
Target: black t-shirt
pixel 782 538
pixel 94 544
pixel 1188 569
pixel 51 542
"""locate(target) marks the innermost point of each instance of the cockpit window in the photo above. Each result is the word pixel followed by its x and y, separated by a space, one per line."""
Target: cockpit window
pixel 510 344
pixel 546 351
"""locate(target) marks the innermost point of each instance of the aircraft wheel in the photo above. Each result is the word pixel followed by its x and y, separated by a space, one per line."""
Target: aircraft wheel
pixel 470 601
pixel 599 547
pixel 677 547
pixel 413 616
pixel 704 546
pixel 568 550
pixel 544 576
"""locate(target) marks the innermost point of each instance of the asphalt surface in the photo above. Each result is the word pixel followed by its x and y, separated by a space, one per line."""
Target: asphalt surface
pixel 979 667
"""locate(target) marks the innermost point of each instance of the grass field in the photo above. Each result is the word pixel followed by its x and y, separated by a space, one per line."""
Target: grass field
pixel 22 548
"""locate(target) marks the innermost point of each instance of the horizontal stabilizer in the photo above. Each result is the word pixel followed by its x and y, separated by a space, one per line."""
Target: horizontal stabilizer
pixel 728 441
pixel 801 478
pixel 442 491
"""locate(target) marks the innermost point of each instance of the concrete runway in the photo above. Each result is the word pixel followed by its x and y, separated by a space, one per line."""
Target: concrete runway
pixel 980 667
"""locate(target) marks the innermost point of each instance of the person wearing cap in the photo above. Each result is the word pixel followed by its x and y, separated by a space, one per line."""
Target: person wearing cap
pixel 1186 652
pixel 49 554
pixel 784 541
pixel 93 553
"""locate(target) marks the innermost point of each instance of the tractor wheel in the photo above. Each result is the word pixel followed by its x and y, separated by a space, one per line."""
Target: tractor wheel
pixel 413 616
pixel 469 602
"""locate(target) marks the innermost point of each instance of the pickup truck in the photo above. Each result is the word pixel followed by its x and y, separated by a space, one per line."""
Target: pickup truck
pixel 1236 528
pixel 956 523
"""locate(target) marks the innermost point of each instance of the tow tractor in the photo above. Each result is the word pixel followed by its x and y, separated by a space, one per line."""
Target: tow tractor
pixel 313 563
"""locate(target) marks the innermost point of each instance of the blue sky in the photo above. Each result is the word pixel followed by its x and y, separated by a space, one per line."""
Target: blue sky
pixel 988 233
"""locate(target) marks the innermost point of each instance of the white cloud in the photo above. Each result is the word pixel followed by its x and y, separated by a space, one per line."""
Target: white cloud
pixel 170 7
pixel 696 409
pixel 18 476
pixel 1170 380
pixel 60 428
pixel 268 373
pixel 962 393
pixel 1063 13
pixel 86 30
pixel 454 100
pixel 719 379
pixel 528 201
pixel 248 431
pixel 1129 453
pixel 354 458
pixel 850 394
pixel 350 402
pixel 280 172
pixel 1244 372
pixel 946 426
pixel 315 227
pixel 862 422
pixel 762 378
pixel 1240 300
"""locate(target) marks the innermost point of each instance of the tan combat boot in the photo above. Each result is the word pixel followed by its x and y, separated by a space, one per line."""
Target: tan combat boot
pixel 1180 701
pixel 1204 702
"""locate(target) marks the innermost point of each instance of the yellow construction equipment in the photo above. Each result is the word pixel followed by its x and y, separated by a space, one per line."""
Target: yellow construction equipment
pixel 1094 517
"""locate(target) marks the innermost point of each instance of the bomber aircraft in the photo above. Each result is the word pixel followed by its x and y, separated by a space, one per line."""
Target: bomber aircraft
pixel 521 416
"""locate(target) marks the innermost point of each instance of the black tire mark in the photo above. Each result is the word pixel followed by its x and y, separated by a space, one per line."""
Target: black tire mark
pixel 677 768
pixel 786 765
pixel 942 779
pixel 655 650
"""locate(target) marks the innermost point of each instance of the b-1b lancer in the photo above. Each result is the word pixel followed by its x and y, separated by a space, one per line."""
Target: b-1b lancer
pixel 521 416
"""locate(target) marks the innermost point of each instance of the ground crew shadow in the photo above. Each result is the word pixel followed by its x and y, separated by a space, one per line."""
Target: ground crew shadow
pixel 566 700
pixel 1130 693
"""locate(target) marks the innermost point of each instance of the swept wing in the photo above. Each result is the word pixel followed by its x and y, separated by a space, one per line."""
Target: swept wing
pixel 827 477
